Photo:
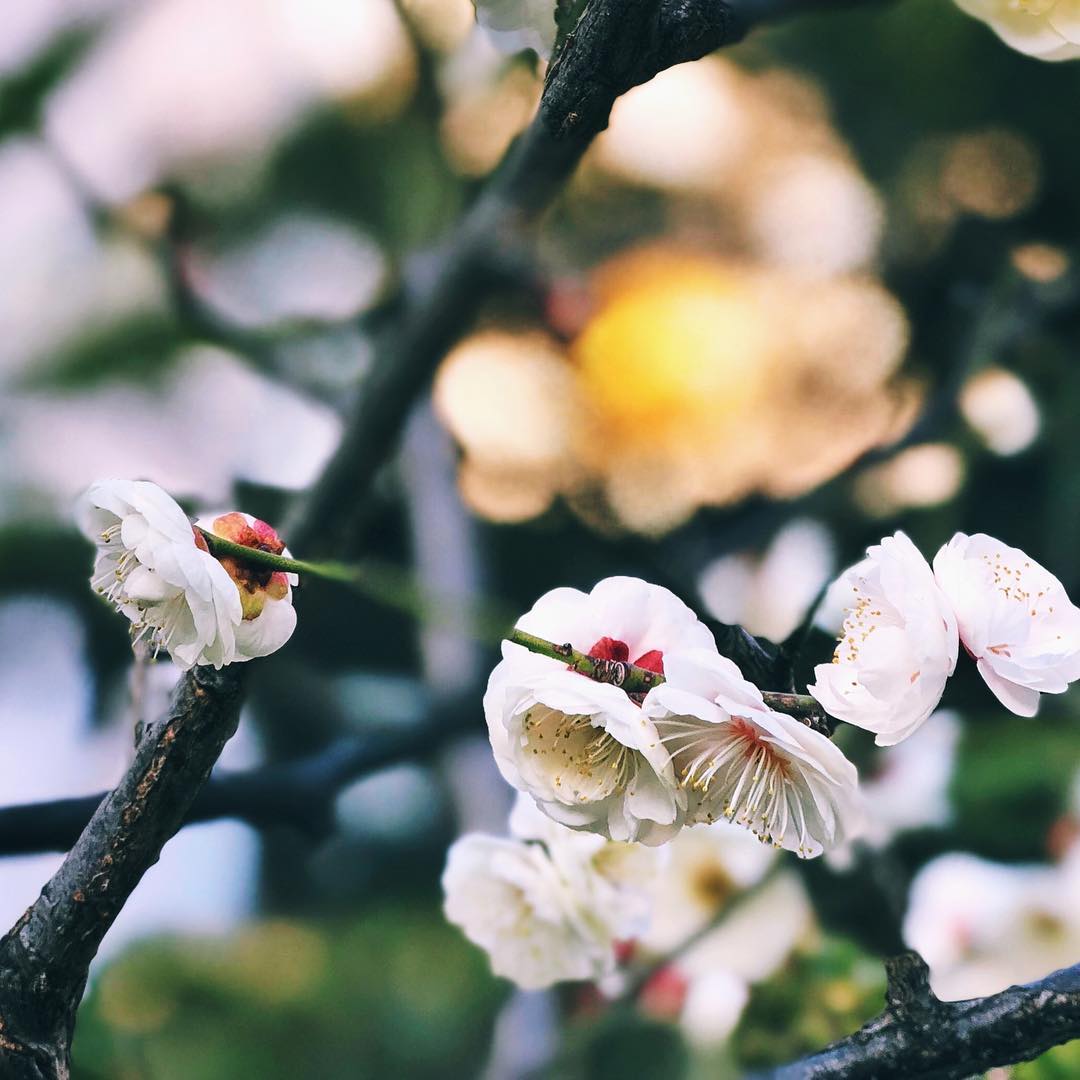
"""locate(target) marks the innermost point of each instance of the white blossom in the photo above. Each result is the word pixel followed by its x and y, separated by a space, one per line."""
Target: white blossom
pixel 736 758
pixel 549 904
pixel 268 616
pixel 519 24
pixel 1047 29
pixel 1015 619
pixel 584 750
pixel 982 926
pixel 898 645
pixel 155 569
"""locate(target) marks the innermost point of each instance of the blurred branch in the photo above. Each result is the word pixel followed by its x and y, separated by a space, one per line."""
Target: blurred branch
pixel 298 794
pixel 616 45
pixel 920 1036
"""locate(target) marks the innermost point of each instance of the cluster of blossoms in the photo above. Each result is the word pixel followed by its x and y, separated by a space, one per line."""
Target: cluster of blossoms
pixel 700 746
pixel 906 621
pixel 157 569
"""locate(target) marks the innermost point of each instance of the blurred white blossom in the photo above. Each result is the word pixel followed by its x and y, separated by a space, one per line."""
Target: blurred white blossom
pixel 1002 409
pixel 982 926
pixel 1047 29
pixel 770 594
pixel 549 904
pixel 1015 619
pixel 586 752
pixel 898 645
pixel 736 758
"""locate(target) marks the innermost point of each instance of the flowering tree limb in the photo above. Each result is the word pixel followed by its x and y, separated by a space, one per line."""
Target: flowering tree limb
pixel 616 45
pixel 920 1036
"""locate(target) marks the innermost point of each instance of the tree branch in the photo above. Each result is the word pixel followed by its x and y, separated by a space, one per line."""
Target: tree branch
pixel 919 1037
pixel 298 794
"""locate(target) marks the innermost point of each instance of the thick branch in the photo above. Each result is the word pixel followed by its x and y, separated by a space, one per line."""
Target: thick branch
pixel 45 957
pixel 918 1037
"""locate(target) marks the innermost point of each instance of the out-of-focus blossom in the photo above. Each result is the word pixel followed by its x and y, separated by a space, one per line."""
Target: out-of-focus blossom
pixel 769 594
pixel 707 866
pixel 982 926
pixel 548 905
pixel 100 431
pixel 1001 408
pixel 736 758
pixel 994 173
pixel 1046 29
pixel 584 750
pixel 519 24
pixel 898 645
pixel 156 569
pixel 713 979
pixel 272 59
pixel 925 475
pixel 1041 263
pixel 269 617
pixel 1015 619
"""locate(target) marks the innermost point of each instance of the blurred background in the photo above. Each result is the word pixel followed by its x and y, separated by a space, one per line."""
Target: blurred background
pixel 798 295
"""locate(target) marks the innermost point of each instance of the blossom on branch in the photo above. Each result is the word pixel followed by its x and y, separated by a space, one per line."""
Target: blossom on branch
pixel 269 617
pixel 156 569
pixel 736 758
pixel 1046 29
pixel 1014 617
pixel 519 24
pixel 549 904
pixel 586 751
pixel 898 645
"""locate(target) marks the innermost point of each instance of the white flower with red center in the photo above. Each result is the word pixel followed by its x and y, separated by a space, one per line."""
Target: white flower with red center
pixel 736 758
pixel 898 645
pixel 155 568
pixel 268 616
pixel 1015 619
pixel 1047 29
pixel 585 750
pixel 549 904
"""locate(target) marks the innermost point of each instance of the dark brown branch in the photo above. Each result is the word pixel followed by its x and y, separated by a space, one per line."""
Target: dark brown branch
pixel 919 1037
pixel 45 957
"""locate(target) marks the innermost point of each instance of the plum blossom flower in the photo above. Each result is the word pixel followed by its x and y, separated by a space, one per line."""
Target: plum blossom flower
pixel 268 616
pixel 154 567
pixel 1015 619
pixel 584 750
pixel 519 24
pixel 1046 29
pixel 736 758
pixel 898 645
pixel 982 926
pixel 548 904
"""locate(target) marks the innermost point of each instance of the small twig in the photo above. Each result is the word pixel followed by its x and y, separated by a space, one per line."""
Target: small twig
pixel 639 680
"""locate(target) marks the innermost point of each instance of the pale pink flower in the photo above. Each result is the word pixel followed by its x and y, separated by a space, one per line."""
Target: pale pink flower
pixel 736 758
pixel 584 750
pixel 1015 619
pixel 898 645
